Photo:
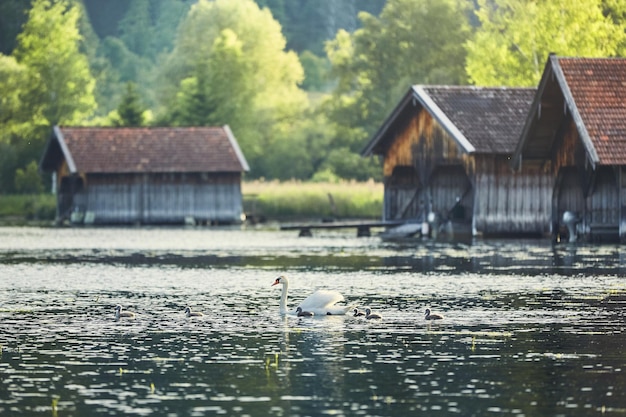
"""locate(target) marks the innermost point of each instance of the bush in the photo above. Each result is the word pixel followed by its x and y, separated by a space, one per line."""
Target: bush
pixel 28 181
pixel 27 207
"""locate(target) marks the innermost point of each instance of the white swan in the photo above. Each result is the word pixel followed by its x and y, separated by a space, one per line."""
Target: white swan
pixel 321 302
pixel 119 313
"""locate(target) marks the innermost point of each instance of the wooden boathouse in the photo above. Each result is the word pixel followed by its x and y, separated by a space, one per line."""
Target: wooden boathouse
pixel 159 175
pixel 576 127
pixel 446 154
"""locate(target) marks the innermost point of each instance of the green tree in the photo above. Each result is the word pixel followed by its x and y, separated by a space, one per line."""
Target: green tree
pixel 376 64
pixel 20 124
pixel 131 111
pixel 136 28
pixel 16 119
pixel 316 71
pixel 303 153
pixel 194 105
pixel 12 17
pixel 515 38
pixel 49 46
pixel 8 165
pixel 27 180
pixel 308 24
pixel 238 74
pixel 616 11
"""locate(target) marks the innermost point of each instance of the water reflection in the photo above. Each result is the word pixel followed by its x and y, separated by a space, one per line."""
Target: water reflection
pixel 529 329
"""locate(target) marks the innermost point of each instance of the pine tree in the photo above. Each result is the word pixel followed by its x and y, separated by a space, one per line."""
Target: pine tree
pixel 131 110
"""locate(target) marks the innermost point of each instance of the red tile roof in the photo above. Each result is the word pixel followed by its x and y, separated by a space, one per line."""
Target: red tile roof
pixel 146 150
pixel 598 89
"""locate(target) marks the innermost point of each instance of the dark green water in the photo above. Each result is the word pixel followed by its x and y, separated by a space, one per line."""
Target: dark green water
pixel 530 329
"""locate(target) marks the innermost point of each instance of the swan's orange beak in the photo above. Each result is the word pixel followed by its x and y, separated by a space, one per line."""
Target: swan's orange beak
pixel 276 282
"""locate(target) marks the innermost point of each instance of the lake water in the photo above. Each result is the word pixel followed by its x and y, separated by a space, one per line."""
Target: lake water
pixel 530 329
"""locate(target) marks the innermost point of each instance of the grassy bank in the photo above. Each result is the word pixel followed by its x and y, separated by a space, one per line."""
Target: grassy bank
pixel 295 200
pixel 27 208
pixel 270 200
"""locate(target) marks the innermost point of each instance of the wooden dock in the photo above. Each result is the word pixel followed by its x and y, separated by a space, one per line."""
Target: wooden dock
pixel 362 227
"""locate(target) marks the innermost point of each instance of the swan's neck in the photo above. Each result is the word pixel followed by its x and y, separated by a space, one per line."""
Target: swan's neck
pixel 283 298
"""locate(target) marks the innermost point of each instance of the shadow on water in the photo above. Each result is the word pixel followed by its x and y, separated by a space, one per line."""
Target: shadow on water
pixel 529 329
pixel 193 248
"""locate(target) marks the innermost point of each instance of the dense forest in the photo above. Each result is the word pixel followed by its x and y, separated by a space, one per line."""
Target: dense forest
pixel 303 83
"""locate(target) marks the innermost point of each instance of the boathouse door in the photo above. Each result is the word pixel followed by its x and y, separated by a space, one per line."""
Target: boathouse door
pixel 402 200
pixel 603 206
pixel 569 196
pixel 452 194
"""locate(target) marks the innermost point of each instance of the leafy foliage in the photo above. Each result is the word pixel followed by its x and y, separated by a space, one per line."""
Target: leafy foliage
pixel 303 84
pixel 61 85
pixel 316 71
pixel 131 111
pixel 376 64
pixel 16 119
pixel 28 181
pixel 516 37
pixel 239 75
pixel 308 24
pixel 12 17
pixel 46 81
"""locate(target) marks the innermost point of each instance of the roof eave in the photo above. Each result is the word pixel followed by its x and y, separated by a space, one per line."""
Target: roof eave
pixel 233 142
pixel 553 68
pixel 516 160
pixel 58 136
pixel 417 93
pixel 389 121
pixel 443 120
pixel 571 104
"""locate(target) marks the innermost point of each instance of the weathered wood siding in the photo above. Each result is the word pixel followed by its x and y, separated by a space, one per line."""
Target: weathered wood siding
pixel 594 195
pixel 602 216
pixel 451 193
pixel 401 194
pixel 424 171
pixel 567 196
pixel 424 145
pixel 510 202
pixel 621 176
pixel 427 171
pixel 161 198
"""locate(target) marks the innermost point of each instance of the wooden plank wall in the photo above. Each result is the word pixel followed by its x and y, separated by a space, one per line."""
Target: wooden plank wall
pixel 162 198
pixel 621 180
pixel 596 195
pixel 424 145
pixel 510 202
pixel 602 214
pixel 415 153
pixel 449 184
pixel 401 199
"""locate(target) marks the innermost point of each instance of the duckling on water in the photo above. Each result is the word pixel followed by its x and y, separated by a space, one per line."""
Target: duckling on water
pixel 432 316
pixel 358 313
pixel 369 315
pixel 302 313
pixel 190 313
pixel 119 313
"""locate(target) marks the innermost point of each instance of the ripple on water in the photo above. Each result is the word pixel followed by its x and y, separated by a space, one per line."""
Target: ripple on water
pixel 519 343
